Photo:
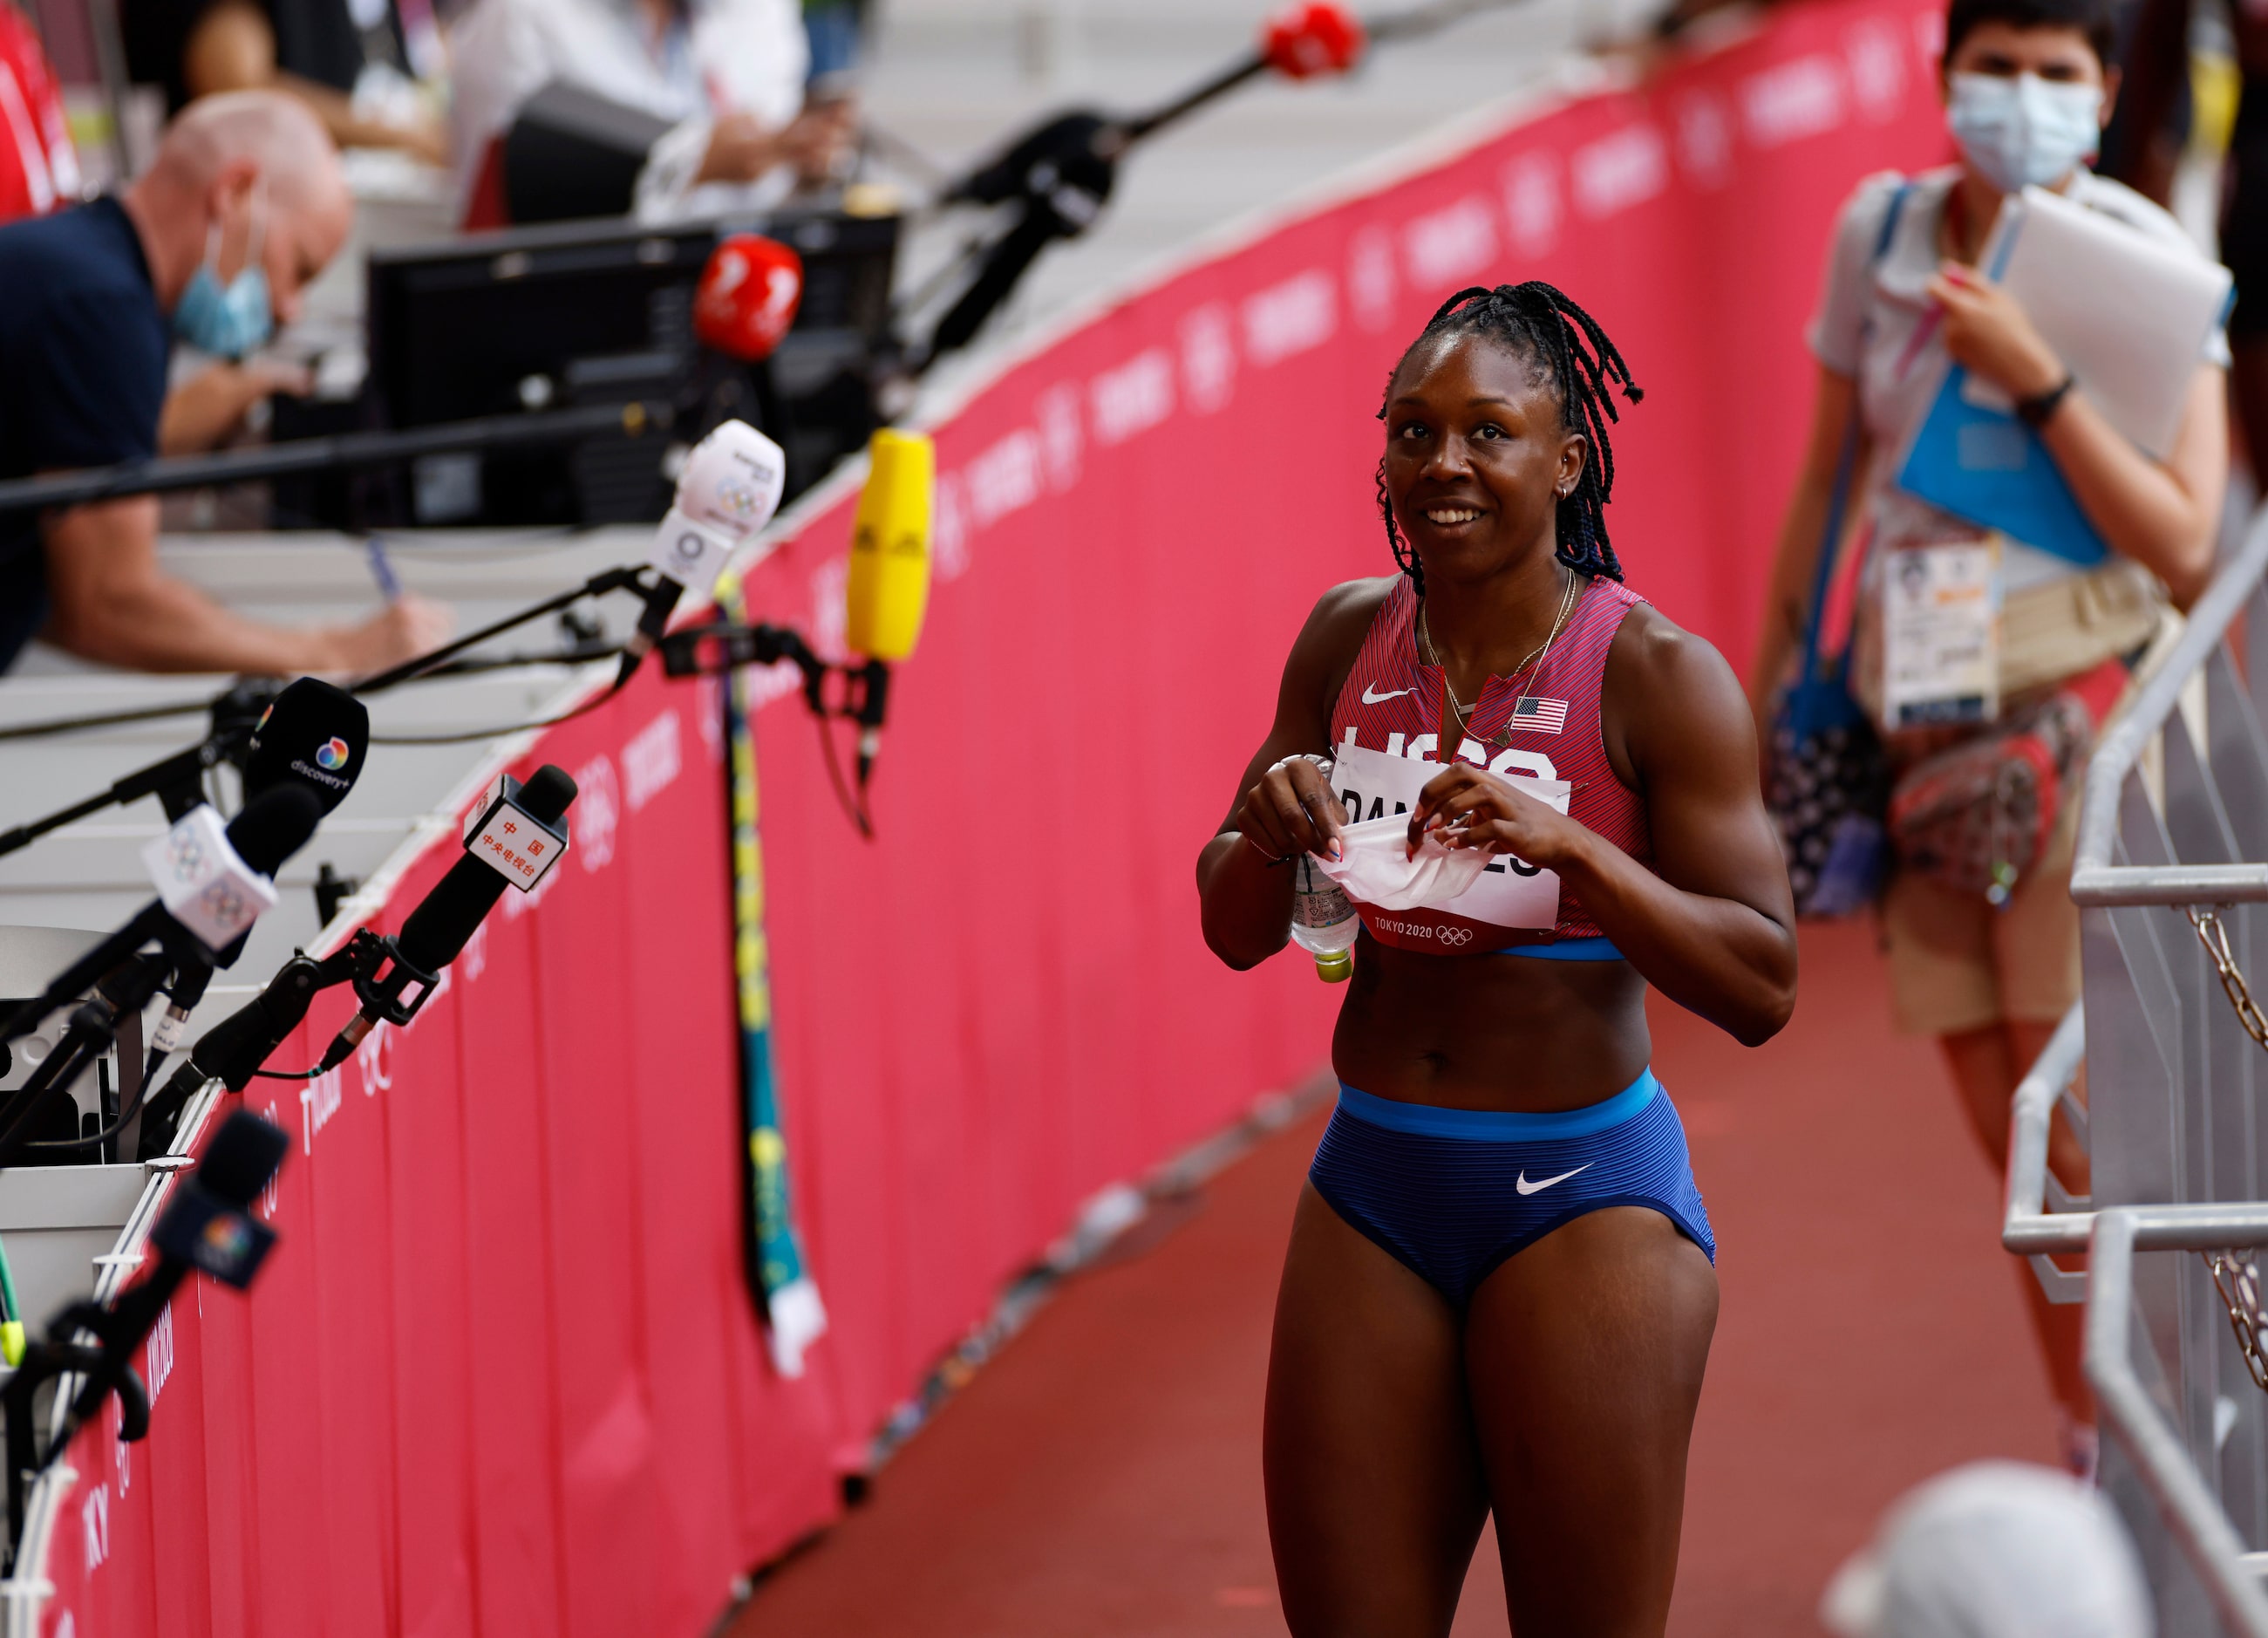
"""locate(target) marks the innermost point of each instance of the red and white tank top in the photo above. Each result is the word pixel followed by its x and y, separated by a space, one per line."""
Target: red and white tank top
pixel 1542 727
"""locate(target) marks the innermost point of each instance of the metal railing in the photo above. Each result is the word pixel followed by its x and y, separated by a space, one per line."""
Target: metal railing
pixel 2167 877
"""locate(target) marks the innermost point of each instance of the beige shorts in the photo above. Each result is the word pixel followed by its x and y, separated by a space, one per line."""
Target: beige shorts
pixel 1956 964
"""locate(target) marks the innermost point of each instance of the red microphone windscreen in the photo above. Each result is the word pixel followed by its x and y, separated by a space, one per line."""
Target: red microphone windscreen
pixel 748 296
pixel 1313 37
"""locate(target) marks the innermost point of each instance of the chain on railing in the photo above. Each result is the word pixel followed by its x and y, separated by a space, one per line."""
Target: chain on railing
pixel 2213 932
pixel 2237 1279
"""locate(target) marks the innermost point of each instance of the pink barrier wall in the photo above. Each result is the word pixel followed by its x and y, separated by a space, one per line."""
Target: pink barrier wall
pixel 502 1375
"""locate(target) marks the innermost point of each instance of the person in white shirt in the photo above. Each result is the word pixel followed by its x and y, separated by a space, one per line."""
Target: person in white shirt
pixel 729 73
pixel 2029 86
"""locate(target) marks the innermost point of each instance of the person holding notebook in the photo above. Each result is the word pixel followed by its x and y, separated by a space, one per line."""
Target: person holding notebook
pixel 2027 86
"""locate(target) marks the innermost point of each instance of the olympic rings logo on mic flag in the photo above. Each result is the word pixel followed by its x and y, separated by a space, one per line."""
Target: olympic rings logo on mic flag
pixel 740 500
pixel 332 754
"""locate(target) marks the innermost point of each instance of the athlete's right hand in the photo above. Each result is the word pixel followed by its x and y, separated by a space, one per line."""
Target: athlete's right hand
pixel 1293 810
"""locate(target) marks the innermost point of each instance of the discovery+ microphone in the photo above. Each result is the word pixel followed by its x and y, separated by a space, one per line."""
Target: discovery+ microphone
pixel 315 734
pixel 518 835
pixel 730 488
pixel 312 734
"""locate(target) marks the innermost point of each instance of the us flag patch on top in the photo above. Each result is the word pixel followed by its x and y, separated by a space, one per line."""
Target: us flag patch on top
pixel 1539 716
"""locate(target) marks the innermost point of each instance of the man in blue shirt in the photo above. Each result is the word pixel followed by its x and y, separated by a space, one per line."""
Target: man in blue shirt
pixel 243 207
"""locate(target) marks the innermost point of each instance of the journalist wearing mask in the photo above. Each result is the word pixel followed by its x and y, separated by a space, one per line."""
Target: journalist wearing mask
pixel 242 207
pixel 1983 941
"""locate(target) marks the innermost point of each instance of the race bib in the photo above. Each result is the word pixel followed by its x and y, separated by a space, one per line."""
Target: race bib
pixel 1941 634
pixel 1510 893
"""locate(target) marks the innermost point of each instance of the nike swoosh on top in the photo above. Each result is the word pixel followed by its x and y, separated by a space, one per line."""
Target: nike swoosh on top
pixel 1526 1187
pixel 1370 699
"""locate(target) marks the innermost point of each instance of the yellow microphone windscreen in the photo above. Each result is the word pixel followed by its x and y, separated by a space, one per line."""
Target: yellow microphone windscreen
pixel 889 546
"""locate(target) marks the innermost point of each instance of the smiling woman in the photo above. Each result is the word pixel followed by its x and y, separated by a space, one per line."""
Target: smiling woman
pixel 1499 1292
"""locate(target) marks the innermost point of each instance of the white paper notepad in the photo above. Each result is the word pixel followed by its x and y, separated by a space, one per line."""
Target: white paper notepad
pixel 2130 317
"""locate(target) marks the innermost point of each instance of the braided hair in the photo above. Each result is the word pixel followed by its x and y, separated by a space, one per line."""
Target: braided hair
pixel 1581 366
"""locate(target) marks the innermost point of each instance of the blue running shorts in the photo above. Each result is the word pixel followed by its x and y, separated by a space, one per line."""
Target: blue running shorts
pixel 1453 1192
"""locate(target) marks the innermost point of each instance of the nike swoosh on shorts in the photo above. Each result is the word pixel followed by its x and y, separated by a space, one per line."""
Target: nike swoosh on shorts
pixel 1526 1187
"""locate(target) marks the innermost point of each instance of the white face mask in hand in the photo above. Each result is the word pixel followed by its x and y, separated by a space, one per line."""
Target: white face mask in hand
pixel 2024 131
pixel 1378 870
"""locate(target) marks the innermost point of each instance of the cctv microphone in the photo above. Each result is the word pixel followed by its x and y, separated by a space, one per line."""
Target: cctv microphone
pixel 212 885
pixel 888 589
pixel 730 488
pixel 1311 38
pixel 747 297
pixel 517 834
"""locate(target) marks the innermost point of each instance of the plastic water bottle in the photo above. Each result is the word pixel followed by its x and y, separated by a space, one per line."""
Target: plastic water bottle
pixel 1324 922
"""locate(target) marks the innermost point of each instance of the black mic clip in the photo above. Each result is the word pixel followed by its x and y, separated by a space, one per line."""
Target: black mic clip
pixel 391 990
pixel 60 1353
pixel 868 706
pixel 706 650
pixel 701 649
pixel 234 1050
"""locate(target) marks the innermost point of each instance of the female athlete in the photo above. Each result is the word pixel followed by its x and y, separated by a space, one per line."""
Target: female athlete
pixel 1499 1291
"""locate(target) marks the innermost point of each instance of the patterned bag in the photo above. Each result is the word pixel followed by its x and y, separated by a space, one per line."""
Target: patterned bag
pixel 1827 781
pixel 1978 815
pixel 1825 794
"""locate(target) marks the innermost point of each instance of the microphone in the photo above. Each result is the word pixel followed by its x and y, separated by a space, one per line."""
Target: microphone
pixel 312 734
pixel 887 593
pixel 748 297
pixel 517 834
pixel 1311 38
pixel 207 1225
pixel 212 884
pixel 729 488
pixel 315 734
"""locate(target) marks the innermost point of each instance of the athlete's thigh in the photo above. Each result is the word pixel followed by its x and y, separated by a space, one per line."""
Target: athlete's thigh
pixel 1584 1355
pixel 1374 1496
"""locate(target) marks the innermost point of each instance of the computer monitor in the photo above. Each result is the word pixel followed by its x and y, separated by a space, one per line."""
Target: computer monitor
pixel 591 312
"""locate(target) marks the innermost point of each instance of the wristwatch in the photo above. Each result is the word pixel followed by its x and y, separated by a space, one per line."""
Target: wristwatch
pixel 2038 412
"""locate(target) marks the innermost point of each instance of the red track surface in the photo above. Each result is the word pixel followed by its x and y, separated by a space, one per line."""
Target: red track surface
pixel 1101 1478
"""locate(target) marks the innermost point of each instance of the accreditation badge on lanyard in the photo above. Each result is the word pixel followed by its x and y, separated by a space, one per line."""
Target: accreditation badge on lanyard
pixel 1942 633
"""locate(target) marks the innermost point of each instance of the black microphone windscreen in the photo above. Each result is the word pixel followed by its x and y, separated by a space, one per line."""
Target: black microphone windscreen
pixel 433 934
pixel 274 825
pixel 316 735
pixel 242 1158
pixel 547 792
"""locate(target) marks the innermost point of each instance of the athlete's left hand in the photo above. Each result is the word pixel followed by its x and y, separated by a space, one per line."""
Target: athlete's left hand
pixel 1470 807
pixel 1988 331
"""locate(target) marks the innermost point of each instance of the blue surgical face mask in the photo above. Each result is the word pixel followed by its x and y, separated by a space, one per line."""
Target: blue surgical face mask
pixel 232 319
pixel 2024 131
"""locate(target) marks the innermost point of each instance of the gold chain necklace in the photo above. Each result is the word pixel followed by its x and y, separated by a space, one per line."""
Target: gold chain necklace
pixel 1432 657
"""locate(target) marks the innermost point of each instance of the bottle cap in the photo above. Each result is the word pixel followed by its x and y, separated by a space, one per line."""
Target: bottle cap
pixel 1334 966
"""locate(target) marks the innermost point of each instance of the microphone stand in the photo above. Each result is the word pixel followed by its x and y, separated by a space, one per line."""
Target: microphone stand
pixel 59 1353
pixel 92 1031
pixel 1060 176
pixel 722 647
pixel 346 451
pixel 232 1050
pixel 176 781
pixel 598 584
